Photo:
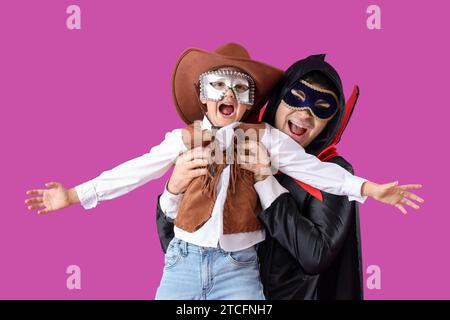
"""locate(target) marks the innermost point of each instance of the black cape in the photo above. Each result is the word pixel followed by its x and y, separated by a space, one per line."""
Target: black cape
pixel 312 247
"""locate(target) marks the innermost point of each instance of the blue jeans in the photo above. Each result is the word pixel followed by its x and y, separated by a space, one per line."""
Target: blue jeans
pixel 199 273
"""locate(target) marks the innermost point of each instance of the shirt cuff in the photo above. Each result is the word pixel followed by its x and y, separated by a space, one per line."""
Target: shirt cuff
pixel 268 190
pixel 87 195
pixel 354 186
pixel 169 203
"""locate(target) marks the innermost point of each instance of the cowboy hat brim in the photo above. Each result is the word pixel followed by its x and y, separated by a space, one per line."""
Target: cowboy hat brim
pixel 193 62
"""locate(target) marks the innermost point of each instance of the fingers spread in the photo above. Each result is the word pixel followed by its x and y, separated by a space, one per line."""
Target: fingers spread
pixel 410 203
pixel 35 192
pixel 392 184
pixel 410 186
pixel 34 200
pixel 36 206
pixel 53 185
pixel 401 208
pixel 413 196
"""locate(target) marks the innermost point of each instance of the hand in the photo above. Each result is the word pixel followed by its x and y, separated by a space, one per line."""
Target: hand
pixel 188 166
pixel 257 160
pixel 52 199
pixel 393 194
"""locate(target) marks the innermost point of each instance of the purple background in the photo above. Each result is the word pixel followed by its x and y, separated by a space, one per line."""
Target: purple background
pixel 75 103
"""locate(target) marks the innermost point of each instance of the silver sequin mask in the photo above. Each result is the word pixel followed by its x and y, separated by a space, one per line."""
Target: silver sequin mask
pixel 215 84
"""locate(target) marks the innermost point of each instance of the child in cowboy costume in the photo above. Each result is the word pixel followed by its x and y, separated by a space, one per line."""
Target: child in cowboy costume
pixel 216 223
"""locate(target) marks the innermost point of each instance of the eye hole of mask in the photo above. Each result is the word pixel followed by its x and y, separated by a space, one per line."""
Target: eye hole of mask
pixel 322 104
pixel 240 88
pixel 299 94
pixel 218 85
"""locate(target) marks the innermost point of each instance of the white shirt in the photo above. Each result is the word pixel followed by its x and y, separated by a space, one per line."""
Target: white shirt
pixel 286 155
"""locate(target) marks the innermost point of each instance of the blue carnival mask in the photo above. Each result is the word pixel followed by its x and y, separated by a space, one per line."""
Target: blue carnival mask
pixel 322 103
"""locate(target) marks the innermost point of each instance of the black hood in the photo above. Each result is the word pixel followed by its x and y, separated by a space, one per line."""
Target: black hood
pixel 294 74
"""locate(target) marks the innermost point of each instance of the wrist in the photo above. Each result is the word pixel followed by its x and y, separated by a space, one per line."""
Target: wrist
pixel 260 177
pixel 172 189
pixel 369 189
pixel 72 196
pixel 262 173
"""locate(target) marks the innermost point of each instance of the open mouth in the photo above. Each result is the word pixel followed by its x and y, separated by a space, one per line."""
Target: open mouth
pixel 297 129
pixel 226 110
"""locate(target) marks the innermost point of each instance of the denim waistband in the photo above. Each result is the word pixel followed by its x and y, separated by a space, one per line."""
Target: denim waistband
pixel 186 247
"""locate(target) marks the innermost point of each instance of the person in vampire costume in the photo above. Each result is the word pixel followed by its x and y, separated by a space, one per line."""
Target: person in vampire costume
pixel 312 248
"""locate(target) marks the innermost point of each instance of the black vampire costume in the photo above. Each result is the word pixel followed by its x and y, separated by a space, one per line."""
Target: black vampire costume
pixel 312 246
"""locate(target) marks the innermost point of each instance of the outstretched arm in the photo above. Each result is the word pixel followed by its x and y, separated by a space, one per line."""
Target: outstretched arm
pixel 112 183
pixel 290 158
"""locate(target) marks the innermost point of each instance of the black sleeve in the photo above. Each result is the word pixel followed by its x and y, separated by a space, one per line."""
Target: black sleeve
pixel 165 227
pixel 313 240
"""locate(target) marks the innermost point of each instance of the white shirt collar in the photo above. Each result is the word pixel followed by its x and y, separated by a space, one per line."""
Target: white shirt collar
pixel 223 135
pixel 206 124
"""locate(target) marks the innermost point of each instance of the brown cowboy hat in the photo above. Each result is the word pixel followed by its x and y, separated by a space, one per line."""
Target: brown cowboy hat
pixel 193 62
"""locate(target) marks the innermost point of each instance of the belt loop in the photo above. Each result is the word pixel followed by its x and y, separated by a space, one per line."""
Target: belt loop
pixel 184 248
